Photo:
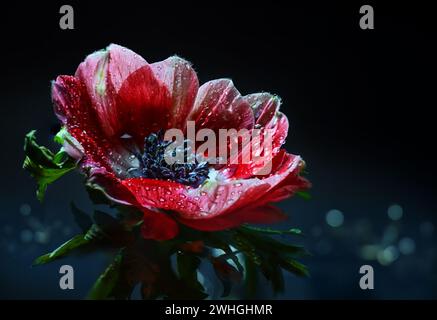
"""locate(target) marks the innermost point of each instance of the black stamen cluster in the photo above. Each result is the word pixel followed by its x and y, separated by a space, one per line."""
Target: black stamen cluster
pixel 154 166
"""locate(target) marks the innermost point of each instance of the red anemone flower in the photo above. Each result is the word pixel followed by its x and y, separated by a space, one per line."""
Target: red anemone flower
pixel 113 108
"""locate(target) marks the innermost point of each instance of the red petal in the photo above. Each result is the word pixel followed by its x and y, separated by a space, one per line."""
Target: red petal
pixel 158 226
pixel 264 106
pixel 135 98
pixel 73 108
pixel 216 197
pixel 111 186
pixel 219 105
pixel 278 127
pixel 182 83
pixel 103 74
pixel 290 184
pixel 162 194
pixel 143 105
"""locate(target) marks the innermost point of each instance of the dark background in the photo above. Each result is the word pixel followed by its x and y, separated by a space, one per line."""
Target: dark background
pixel 360 105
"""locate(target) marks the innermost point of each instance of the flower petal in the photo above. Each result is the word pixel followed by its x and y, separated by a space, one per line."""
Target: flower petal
pixel 278 127
pixel 73 108
pixel 264 106
pixel 161 194
pixel 219 105
pixel 182 83
pixel 111 186
pixel 103 74
pixel 158 226
pixel 143 105
pixel 214 198
pixel 90 144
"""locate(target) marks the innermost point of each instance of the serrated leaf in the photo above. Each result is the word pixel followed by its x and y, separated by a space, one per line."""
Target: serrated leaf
pixel 45 166
pixel 63 250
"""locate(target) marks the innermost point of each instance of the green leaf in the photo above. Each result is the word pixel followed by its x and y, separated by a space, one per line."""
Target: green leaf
pixel 63 250
pixel 96 195
pixel 129 216
pixel 103 287
pixel 273 272
pixel 293 231
pixel 270 255
pixel 245 246
pixel 303 194
pixel 268 244
pixel 295 267
pixel 62 135
pixel 251 278
pixel 45 166
pixel 112 229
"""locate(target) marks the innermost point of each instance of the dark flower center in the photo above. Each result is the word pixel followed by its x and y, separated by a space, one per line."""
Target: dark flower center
pixel 153 164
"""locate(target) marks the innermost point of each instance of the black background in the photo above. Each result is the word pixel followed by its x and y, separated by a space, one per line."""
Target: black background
pixel 360 105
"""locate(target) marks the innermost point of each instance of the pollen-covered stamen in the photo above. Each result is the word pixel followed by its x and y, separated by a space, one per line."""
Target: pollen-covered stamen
pixel 153 164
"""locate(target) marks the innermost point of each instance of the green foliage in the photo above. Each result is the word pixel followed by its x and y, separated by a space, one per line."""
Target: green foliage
pixel 105 284
pixel 303 194
pixel 44 165
pixel 147 262
pixel 66 248
pixel 268 255
pixel 293 231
